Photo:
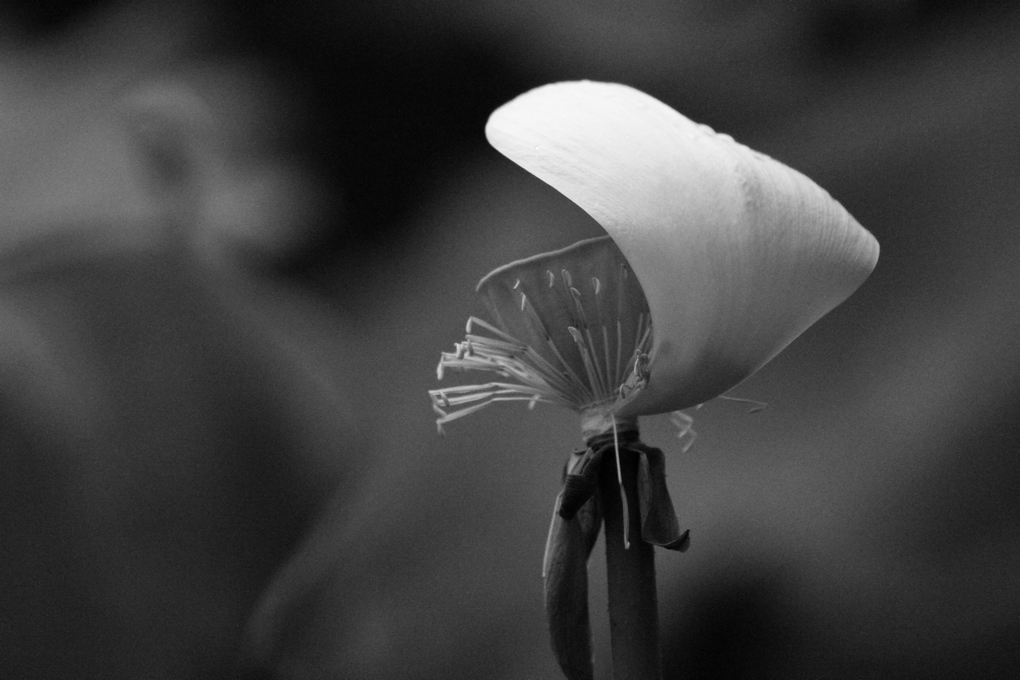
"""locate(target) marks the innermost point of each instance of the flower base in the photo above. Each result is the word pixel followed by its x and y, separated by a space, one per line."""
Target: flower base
pixel 630 570
pixel 621 481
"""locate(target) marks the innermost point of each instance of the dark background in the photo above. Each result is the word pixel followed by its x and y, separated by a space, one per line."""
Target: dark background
pixel 219 459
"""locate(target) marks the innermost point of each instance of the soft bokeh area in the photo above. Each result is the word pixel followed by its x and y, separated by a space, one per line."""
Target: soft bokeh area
pixel 234 238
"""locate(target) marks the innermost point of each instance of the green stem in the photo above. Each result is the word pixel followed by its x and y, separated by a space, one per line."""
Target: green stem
pixel 633 604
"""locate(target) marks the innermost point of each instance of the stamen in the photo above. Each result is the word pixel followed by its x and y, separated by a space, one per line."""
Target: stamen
pixel 605 369
pixel 618 376
pixel 640 328
pixel 448 416
pixel 575 295
pixel 512 361
pixel 605 350
pixel 598 383
pixel 604 387
pixel 621 289
pixel 492 329
pixel 645 336
pixel 623 493
pixel 586 359
pixel 539 380
pixel 756 406
pixel 570 305
pixel 638 377
pixel 511 355
pixel 685 429
pixel 585 377
pixel 579 387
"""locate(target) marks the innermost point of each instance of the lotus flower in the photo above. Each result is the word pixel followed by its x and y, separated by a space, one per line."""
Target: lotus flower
pixel 717 258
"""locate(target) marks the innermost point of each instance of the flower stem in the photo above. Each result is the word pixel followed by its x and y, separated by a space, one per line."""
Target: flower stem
pixel 633 605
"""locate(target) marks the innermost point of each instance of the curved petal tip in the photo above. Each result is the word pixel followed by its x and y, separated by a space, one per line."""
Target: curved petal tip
pixel 737 253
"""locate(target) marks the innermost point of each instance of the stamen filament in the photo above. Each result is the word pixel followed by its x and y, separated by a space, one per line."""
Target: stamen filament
pixel 623 493
pixel 618 377
pixel 568 372
pixel 556 358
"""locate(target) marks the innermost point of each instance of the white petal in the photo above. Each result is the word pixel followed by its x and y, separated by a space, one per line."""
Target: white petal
pixel 737 253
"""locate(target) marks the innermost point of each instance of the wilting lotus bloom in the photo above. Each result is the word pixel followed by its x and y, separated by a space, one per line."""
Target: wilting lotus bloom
pixel 717 258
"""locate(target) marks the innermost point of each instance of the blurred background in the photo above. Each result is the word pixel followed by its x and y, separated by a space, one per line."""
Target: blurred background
pixel 234 238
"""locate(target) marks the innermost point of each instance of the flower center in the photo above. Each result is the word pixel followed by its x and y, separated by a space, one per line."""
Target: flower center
pixel 571 327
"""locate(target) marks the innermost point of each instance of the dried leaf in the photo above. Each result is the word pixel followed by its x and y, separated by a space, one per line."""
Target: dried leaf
pixel 659 525
pixel 566 587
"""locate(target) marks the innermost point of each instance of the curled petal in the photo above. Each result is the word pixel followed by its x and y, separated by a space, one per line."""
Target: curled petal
pixel 737 253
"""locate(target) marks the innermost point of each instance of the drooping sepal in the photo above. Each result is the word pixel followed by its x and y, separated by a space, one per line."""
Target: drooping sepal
pixel 577 519
pixel 659 525
pixel 580 481
pixel 565 569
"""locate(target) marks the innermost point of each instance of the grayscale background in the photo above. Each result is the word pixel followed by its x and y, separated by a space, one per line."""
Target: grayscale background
pixel 234 238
